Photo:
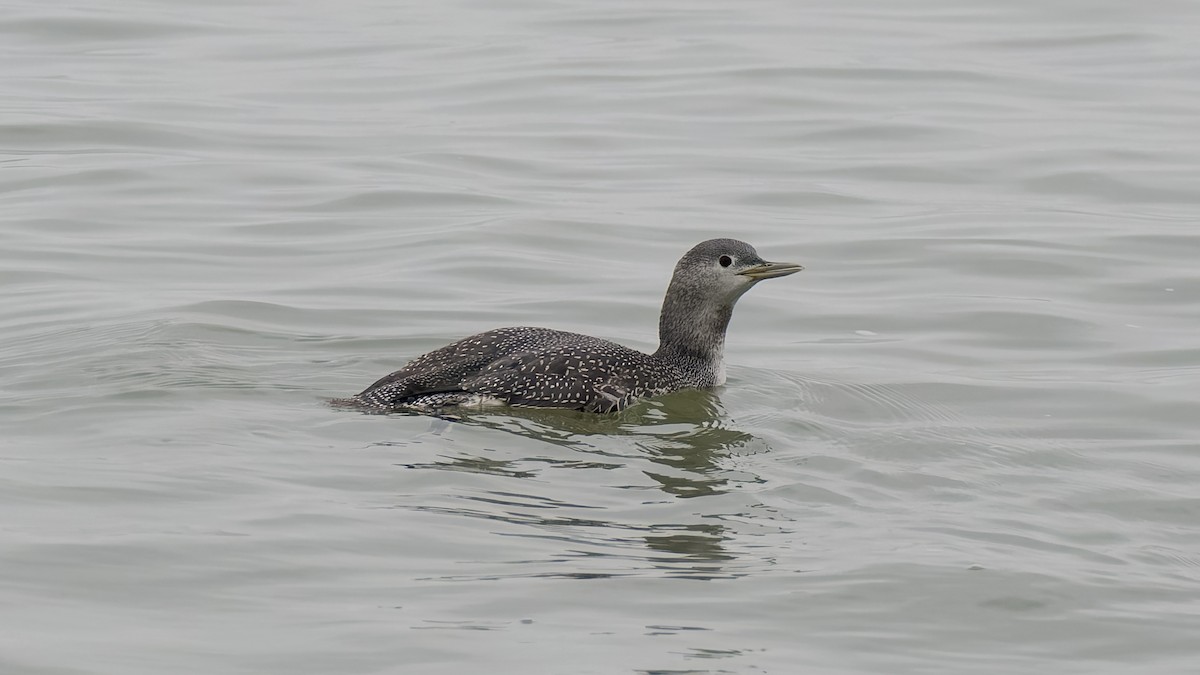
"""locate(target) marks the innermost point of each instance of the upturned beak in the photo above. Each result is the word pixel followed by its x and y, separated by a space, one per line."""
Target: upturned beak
pixel 770 270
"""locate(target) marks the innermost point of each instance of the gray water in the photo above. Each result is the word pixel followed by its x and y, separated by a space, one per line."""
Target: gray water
pixel 964 440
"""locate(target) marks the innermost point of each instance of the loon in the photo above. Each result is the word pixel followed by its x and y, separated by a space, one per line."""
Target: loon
pixel 543 368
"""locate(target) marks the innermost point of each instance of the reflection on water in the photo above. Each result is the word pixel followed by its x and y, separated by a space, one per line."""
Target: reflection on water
pixel 686 431
pixel 679 441
pixel 696 551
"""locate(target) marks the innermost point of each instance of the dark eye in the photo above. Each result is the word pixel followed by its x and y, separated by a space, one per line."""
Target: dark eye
pixel 725 261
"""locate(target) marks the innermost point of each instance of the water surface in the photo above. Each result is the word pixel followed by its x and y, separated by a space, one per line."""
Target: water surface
pixel 962 441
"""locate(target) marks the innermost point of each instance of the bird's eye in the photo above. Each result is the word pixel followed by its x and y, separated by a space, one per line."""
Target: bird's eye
pixel 725 261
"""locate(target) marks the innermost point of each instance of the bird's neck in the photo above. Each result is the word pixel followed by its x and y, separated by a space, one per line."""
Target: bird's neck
pixel 691 331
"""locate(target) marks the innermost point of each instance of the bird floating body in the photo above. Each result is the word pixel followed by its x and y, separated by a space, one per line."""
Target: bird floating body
pixel 545 368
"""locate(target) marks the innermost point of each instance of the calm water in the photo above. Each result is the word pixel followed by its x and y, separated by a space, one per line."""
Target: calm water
pixel 964 440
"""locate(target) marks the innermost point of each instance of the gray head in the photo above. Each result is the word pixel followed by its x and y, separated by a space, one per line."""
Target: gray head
pixel 724 269
pixel 707 282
